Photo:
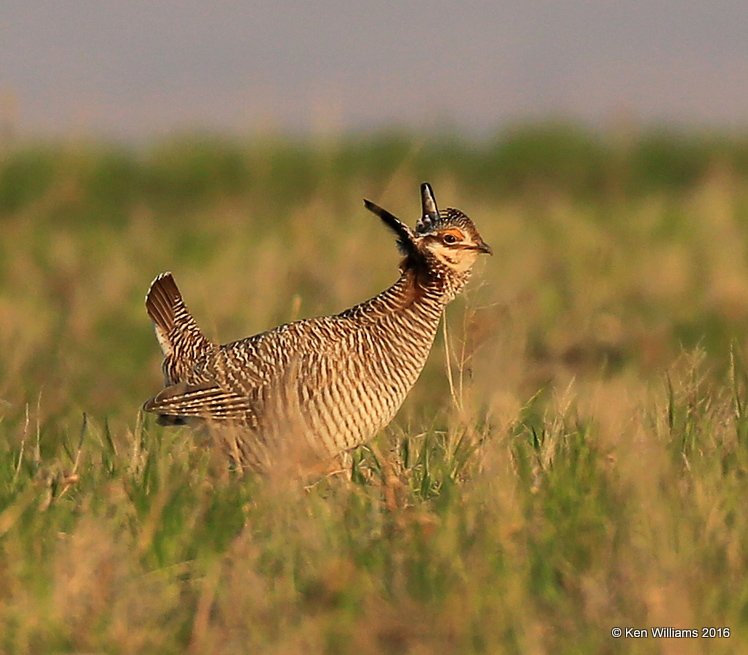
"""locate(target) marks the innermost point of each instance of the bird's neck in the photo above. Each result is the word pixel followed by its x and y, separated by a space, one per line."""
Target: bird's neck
pixel 421 290
pixel 430 279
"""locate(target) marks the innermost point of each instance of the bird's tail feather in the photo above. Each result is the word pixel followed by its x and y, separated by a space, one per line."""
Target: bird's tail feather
pixel 181 340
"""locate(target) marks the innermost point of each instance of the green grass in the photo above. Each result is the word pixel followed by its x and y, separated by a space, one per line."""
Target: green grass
pixel 585 469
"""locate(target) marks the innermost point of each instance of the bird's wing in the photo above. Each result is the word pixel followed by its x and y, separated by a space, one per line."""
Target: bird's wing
pixel 205 400
pixel 247 379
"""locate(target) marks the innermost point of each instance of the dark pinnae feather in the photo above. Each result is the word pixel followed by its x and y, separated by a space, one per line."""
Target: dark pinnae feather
pixel 429 210
pixel 403 232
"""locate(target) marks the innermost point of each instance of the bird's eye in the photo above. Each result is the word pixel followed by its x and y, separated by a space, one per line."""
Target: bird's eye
pixel 449 238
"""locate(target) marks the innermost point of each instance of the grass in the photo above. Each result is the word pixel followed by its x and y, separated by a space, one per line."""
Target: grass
pixel 583 465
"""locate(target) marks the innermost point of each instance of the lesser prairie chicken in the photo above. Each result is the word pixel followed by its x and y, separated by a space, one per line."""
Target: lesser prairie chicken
pixel 320 385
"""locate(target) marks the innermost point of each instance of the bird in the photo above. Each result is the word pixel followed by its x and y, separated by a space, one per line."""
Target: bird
pixel 318 386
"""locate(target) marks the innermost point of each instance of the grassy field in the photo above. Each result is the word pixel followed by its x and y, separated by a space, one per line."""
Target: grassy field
pixel 583 469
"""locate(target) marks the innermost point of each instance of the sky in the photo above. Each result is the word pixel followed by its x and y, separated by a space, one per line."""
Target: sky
pixel 134 69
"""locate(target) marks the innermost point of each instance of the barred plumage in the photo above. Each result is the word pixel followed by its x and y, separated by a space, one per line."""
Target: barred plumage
pixel 320 385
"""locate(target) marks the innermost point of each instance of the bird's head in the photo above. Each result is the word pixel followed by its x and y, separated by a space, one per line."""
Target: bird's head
pixel 445 242
pixel 448 236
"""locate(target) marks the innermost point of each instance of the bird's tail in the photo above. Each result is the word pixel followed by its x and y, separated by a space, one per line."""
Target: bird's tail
pixel 181 340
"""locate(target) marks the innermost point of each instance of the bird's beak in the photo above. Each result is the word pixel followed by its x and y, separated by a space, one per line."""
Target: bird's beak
pixel 485 248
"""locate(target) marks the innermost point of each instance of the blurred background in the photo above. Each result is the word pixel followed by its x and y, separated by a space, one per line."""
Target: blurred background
pixel 135 70
pixel 601 148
